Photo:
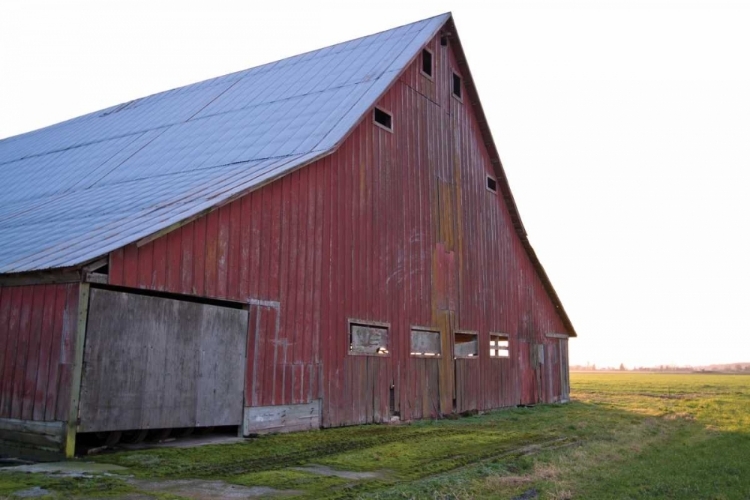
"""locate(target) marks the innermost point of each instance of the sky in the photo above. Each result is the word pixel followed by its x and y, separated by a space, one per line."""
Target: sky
pixel 623 126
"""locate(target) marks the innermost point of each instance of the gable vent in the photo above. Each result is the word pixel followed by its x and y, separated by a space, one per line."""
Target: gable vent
pixel 384 119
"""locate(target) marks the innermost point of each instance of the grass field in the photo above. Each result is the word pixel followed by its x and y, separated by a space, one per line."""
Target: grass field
pixel 625 436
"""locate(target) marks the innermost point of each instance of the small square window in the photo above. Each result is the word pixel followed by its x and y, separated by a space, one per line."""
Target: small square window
pixel 383 118
pixel 457 91
pixel 368 339
pixel 499 347
pixel 491 184
pixel 466 344
pixel 425 343
pixel 427 63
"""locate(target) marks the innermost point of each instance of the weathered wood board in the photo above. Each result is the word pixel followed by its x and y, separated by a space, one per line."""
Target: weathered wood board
pixel 32 439
pixel 283 418
pixel 425 342
pixel 152 362
pixel 368 339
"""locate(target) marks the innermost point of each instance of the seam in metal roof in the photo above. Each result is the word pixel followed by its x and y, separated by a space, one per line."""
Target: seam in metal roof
pixel 92 184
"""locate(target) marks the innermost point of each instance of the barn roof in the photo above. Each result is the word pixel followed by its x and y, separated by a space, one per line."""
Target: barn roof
pixel 84 187
pixel 77 190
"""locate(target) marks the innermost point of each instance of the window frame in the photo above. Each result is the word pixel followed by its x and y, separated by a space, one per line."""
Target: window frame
pixel 503 337
pixel 375 109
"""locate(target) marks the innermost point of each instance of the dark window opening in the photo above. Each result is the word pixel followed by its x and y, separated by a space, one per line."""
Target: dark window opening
pixel 457 86
pixel 383 119
pixel 491 184
pixel 427 62
pixel 392 402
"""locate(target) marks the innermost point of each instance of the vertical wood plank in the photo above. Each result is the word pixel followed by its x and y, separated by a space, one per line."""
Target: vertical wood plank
pixel 222 251
pixel 24 331
pixel 159 278
pixel 45 350
pixel 187 269
pixel 50 405
pixel 5 337
pixel 82 307
pixel 11 349
pixel 146 265
pixel 199 256
pixel 233 260
pixel 33 355
pixel 174 260
pixel 68 350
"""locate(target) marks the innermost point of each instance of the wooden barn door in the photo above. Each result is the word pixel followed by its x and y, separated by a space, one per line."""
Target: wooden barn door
pixel 154 363
pixel 564 371
pixel 266 353
pixel 468 383
pixel 527 373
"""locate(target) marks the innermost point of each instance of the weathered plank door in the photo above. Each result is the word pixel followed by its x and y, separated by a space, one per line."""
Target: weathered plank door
pixel 152 362
pixel 564 371
pixel 527 373
pixel 264 378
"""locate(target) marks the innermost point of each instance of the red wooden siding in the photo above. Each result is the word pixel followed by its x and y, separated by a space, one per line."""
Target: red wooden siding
pixel 395 228
pixel 37 335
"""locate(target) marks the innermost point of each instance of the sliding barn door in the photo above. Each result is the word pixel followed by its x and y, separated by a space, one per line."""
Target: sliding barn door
pixel 152 362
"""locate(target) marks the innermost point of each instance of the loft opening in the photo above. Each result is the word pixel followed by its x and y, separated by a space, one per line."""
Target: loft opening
pixel 427 64
pixel 466 344
pixel 457 90
pixel 383 118
pixel 368 338
pixel 491 184
pixel 499 345
pixel 425 342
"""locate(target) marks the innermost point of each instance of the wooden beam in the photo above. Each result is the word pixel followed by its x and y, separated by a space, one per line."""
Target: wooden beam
pixel 96 265
pixel 41 277
pixel 99 278
pixel 75 390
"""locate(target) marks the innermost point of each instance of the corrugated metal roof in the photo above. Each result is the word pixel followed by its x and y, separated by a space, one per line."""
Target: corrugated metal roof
pixel 82 188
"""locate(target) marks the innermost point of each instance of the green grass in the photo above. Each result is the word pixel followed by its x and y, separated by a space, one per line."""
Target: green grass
pixel 625 436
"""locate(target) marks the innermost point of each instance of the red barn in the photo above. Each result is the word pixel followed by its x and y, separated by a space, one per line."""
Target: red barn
pixel 325 240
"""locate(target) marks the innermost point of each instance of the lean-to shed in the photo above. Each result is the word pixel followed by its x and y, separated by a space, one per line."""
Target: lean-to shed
pixel 325 240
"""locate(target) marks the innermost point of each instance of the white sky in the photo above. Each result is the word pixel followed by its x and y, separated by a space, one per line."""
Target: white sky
pixel 624 128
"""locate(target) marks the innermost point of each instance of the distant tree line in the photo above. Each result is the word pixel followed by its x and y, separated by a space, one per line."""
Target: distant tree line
pixel 729 367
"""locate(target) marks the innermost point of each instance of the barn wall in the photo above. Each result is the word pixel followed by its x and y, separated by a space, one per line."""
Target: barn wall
pixel 37 348
pixel 394 228
pixel 37 336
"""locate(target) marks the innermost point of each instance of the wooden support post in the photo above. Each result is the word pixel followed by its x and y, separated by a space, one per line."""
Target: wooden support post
pixel 75 390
